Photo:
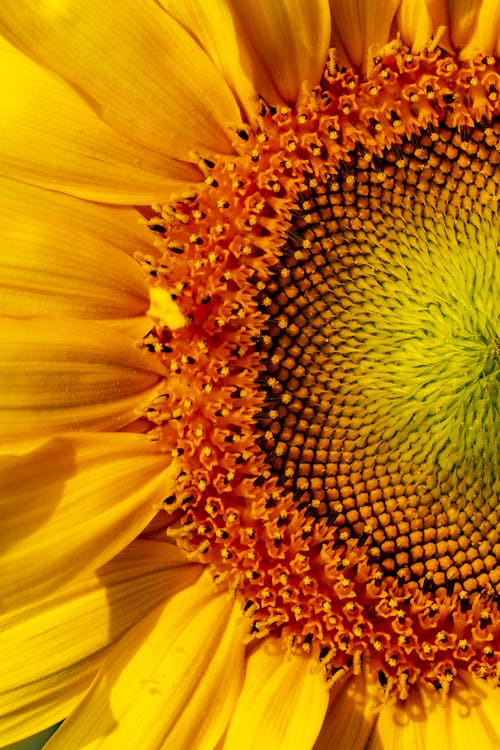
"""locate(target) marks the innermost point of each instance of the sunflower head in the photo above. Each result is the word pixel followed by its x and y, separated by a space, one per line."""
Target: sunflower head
pixel 251 347
pixel 336 382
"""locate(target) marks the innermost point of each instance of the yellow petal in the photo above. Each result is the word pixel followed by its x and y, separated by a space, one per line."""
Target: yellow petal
pixel 51 650
pixel 282 704
pixel 221 33
pixel 121 226
pixel 144 74
pixel 51 269
pixel 472 714
pixel 50 137
pixel 474 26
pixel 467 718
pixel 362 26
pixel 171 682
pixel 350 716
pixel 394 729
pixel 292 38
pixel 70 503
pixel 419 20
pixel 58 375
pixel 487 709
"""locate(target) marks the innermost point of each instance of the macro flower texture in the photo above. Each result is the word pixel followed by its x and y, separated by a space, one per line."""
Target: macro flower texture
pixel 249 374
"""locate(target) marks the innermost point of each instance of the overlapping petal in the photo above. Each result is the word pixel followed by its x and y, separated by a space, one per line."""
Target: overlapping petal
pixel 68 504
pixel 361 27
pixel 282 704
pixel 351 715
pixel 60 375
pixel 170 682
pixel 52 648
pixel 221 33
pixel 467 717
pixel 50 137
pixel 420 20
pixel 141 72
pixel 121 226
pixel 55 268
pixel 474 26
pixel 292 39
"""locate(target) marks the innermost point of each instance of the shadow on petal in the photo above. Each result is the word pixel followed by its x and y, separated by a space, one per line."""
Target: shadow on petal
pixel 19 518
pixel 351 716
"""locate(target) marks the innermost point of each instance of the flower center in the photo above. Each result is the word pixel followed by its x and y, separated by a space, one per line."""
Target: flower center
pixel 382 362
pixel 334 388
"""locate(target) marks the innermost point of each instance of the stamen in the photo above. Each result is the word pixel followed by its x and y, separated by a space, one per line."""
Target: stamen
pixel 334 382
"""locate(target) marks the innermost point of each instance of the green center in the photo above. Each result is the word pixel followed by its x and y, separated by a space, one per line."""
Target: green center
pixel 428 362
pixel 382 361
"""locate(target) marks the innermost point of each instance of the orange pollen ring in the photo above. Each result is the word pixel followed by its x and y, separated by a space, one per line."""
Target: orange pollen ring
pixel 298 575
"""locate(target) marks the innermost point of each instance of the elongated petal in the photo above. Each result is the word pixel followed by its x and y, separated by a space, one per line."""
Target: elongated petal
pixel 484 726
pixel 351 715
pixel 419 20
pixel 63 256
pixel 362 26
pixel 407 725
pixel 474 26
pixel 467 718
pixel 66 147
pixel 70 503
pixel 282 704
pixel 58 375
pixel 171 682
pixel 146 76
pixel 54 647
pixel 50 270
pixel 293 39
pixel 221 33
pixel 120 226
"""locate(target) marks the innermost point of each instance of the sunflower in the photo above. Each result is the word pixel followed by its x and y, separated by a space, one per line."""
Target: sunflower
pixel 249 373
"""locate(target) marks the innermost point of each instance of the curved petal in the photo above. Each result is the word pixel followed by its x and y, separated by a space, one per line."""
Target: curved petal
pixel 351 715
pixel 282 704
pixel 468 718
pixel 143 73
pixel 419 20
pixel 70 503
pixel 49 269
pixel 292 38
pixel 121 226
pixel 60 375
pixel 53 648
pixel 66 147
pixel 171 682
pixel 485 716
pixel 362 26
pixel 406 725
pixel 474 26
pixel 223 36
